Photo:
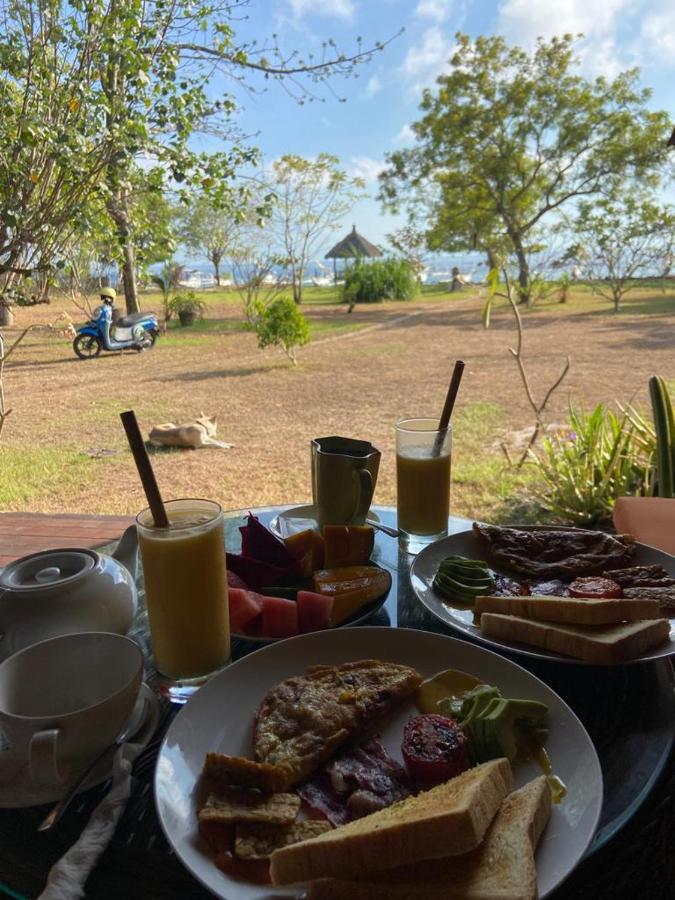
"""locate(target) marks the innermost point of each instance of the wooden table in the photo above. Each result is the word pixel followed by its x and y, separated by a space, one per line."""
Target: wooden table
pixel 25 533
pixel 638 861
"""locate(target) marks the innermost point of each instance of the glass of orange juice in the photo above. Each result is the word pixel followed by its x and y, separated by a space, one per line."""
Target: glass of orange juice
pixel 186 593
pixel 423 456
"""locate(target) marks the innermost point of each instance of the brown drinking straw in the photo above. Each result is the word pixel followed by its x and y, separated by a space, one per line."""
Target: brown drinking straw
pixel 144 467
pixel 450 398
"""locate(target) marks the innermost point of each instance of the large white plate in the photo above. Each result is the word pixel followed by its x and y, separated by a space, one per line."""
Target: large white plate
pixel 460 617
pixel 219 717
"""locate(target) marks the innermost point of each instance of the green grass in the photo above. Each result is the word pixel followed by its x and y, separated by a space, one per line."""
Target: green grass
pixel 483 483
pixel 209 327
pixel 33 473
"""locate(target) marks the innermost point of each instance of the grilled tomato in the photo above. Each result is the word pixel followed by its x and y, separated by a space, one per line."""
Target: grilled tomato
pixel 434 748
pixel 596 588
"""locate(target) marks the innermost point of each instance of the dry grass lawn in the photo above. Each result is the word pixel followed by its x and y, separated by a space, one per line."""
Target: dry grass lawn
pixel 357 377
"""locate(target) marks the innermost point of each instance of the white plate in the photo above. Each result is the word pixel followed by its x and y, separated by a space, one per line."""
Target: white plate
pixel 460 618
pixel 21 792
pixel 300 518
pixel 220 716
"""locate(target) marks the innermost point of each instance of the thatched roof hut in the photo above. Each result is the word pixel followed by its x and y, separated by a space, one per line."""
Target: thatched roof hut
pixel 353 246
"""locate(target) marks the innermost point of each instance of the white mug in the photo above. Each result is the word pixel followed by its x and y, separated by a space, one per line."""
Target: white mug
pixel 63 701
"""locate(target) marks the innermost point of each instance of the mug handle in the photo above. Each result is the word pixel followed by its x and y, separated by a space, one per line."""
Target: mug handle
pixel 365 481
pixel 42 761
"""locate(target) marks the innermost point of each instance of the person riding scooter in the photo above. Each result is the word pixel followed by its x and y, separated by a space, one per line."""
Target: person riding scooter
pixel 106 331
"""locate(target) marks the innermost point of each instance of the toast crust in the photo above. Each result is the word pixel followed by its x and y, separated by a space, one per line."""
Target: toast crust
pixel 605 645
pixel 569 610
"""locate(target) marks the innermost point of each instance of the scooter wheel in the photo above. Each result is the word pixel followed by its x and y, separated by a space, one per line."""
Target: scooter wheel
pixel 86 346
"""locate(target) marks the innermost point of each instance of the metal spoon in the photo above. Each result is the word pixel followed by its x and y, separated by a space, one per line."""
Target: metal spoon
pixel 130 729
pixel 386 529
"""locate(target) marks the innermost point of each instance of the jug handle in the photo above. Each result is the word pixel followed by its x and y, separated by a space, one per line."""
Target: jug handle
pixel 125 552
pixel 365 495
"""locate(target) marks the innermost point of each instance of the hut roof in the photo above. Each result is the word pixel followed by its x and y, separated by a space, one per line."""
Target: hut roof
pixel 352 246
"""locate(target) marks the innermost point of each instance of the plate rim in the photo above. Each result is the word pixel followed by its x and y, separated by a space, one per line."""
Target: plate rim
pixel 475 634
pixel 223 675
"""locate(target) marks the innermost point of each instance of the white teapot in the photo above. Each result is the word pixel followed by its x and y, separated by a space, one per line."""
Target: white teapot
pixel 66 591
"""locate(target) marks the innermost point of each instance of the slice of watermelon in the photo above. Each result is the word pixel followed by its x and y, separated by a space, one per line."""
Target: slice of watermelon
pixel 279 617
pixel 244 607
pixel 314 611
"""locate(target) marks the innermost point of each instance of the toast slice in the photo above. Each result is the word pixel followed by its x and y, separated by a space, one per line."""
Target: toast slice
pixel 603 645
pixel 569 610
pixel 240 805
pixel 449 819
pixel 501 868
pixel 240 772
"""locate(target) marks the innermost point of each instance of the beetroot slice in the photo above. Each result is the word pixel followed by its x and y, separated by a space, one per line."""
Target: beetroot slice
pixel 258 542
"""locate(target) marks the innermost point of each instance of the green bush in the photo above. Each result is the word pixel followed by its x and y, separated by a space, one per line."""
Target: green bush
pixel 187 306
pixel 376 280
pixel 601 457
pixel 281 324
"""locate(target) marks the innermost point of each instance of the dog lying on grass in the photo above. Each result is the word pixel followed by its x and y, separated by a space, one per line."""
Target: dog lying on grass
pixel 191 435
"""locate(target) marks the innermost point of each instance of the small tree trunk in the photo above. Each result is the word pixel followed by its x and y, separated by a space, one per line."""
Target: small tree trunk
pixel 215 259
pixel 616 299
pixel 119 213
pixel 524 289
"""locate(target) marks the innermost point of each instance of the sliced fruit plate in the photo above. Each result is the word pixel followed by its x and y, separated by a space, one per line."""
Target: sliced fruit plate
pixel 307 582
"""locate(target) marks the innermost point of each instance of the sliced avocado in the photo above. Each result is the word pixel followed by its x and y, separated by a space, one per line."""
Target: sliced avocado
pixel 470 705
pixel 496 731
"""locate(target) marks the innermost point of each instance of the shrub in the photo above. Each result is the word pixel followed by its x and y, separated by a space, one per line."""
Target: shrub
pixel 377 280
pixel 601 457
pixel 187 307
pixel 281 324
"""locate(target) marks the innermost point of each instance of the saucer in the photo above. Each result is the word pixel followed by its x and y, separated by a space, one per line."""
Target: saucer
pixel 300 518
pixel 20 792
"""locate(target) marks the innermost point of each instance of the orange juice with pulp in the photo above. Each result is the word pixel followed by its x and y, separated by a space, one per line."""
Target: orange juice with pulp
pixel 423 490
pixel 186 593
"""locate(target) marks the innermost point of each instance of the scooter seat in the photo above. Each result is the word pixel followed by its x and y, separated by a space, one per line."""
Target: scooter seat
pixel 133 319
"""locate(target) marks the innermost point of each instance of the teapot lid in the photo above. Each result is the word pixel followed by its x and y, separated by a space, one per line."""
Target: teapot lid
pixel 47 568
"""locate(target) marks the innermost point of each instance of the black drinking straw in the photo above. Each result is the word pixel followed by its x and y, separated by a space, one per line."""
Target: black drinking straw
pixel 450 398
pixel 144 467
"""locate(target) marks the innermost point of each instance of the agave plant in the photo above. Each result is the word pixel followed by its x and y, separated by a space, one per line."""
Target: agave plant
pixel 664 424
pixel 603 455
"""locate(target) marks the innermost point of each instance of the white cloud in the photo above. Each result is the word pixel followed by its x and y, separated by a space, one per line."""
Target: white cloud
pixel 338 9
pixel 434 9
pixel 405 135
pixel 657 35
pixel 523 21
pixel 425 61
pixel 374 86
pixel 366 167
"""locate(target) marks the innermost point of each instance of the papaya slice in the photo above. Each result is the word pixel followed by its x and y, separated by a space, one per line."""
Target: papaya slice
pixel 308 549
pixel 352 588
pixel 347 545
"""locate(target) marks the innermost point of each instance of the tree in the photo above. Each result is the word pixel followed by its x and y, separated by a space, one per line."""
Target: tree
pixel 310 196
pixel 91 87
pixel 619 238
pixel 281 324
pixel 509 137
pixel 411 242
pixel 209 231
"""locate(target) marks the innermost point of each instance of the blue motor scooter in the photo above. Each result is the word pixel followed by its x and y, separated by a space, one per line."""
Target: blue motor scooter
pixel 137 331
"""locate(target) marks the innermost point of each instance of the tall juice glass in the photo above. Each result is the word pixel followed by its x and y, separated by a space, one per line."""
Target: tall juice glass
pixel 186 592
pixel 423 457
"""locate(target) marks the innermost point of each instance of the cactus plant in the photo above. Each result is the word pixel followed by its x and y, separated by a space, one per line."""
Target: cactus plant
pixel 664 424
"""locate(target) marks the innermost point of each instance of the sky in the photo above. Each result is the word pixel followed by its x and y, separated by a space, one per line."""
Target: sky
pixel 384 99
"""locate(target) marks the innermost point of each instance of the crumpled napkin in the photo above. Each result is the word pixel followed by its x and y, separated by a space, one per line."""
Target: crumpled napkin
pixel 68 876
